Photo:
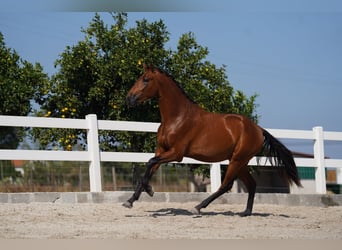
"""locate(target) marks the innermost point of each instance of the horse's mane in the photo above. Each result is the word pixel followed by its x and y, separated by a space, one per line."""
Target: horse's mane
pixel 164 72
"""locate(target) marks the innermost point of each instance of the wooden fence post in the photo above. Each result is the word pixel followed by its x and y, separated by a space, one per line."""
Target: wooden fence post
pixel 319 159
pixel 94 153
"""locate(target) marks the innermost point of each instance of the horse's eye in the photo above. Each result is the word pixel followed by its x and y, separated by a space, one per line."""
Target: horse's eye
pixel 145 80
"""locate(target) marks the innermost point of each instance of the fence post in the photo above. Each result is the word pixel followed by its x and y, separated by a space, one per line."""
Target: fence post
pixel 94 152
pixel 319 159
pixel 215 176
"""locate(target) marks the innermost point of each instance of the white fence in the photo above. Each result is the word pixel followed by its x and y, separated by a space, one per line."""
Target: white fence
pixel 94 156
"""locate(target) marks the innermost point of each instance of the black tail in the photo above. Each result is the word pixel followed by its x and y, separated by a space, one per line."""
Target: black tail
pixel 282 157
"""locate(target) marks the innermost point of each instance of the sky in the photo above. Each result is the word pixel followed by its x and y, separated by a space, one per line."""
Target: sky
pixel 289 54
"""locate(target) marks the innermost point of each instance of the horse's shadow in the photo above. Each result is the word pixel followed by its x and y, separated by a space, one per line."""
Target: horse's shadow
pixel 183 212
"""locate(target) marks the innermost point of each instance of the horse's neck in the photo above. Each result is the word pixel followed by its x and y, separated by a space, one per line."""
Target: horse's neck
pixel 173 104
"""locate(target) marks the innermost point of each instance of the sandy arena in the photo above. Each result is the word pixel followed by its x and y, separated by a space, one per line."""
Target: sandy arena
pixel 149 220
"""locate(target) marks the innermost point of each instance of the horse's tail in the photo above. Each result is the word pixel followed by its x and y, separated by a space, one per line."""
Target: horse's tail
pixel 282 157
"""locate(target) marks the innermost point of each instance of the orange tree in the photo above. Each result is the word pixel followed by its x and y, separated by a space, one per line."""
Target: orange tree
pixel 95 75
pixel 21 83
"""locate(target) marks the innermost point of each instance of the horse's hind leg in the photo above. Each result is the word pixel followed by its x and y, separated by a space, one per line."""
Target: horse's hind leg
pixel 231 174
pixel 211 198
pixel 250 184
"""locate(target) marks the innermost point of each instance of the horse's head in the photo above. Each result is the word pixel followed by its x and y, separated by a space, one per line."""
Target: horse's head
pixel 144 88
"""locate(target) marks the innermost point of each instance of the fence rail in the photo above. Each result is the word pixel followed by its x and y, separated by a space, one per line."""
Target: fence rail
pixel 94 156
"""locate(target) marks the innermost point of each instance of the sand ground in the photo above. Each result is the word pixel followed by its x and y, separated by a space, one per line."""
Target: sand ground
pixel 148 220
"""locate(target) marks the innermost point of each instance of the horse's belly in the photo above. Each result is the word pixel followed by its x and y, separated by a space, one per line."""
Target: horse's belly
pixel 211 152
pixel 205 158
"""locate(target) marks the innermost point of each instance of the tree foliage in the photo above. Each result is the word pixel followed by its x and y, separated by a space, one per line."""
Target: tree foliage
pixel 20 83
pixel 95 75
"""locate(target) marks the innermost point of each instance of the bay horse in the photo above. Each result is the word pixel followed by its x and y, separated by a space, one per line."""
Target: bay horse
pixel 187 130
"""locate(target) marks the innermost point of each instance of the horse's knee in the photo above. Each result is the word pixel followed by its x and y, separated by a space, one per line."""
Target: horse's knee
pixel 153 161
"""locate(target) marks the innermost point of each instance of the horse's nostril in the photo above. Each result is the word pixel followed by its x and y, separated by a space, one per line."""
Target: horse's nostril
pixel 131 100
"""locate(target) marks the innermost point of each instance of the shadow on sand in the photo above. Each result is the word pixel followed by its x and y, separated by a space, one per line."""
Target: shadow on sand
pixel 184 212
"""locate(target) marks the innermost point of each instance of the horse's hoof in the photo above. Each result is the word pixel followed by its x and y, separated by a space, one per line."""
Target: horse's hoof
pixel 195 211
pixel 149 190
pixel 127 204
pixel 245 213
pixel 150 193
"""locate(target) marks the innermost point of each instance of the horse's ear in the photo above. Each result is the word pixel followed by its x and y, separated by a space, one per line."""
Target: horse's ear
pixel 145 67
pixel 148 67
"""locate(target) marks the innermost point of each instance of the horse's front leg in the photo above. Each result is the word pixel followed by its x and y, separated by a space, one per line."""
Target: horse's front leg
pixel 142 185
pixel 152 166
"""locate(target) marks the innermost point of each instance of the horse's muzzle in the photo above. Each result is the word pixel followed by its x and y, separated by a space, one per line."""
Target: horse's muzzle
pixel 132 100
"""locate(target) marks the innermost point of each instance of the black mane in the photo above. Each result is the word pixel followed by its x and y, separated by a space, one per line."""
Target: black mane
pixel 176 83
